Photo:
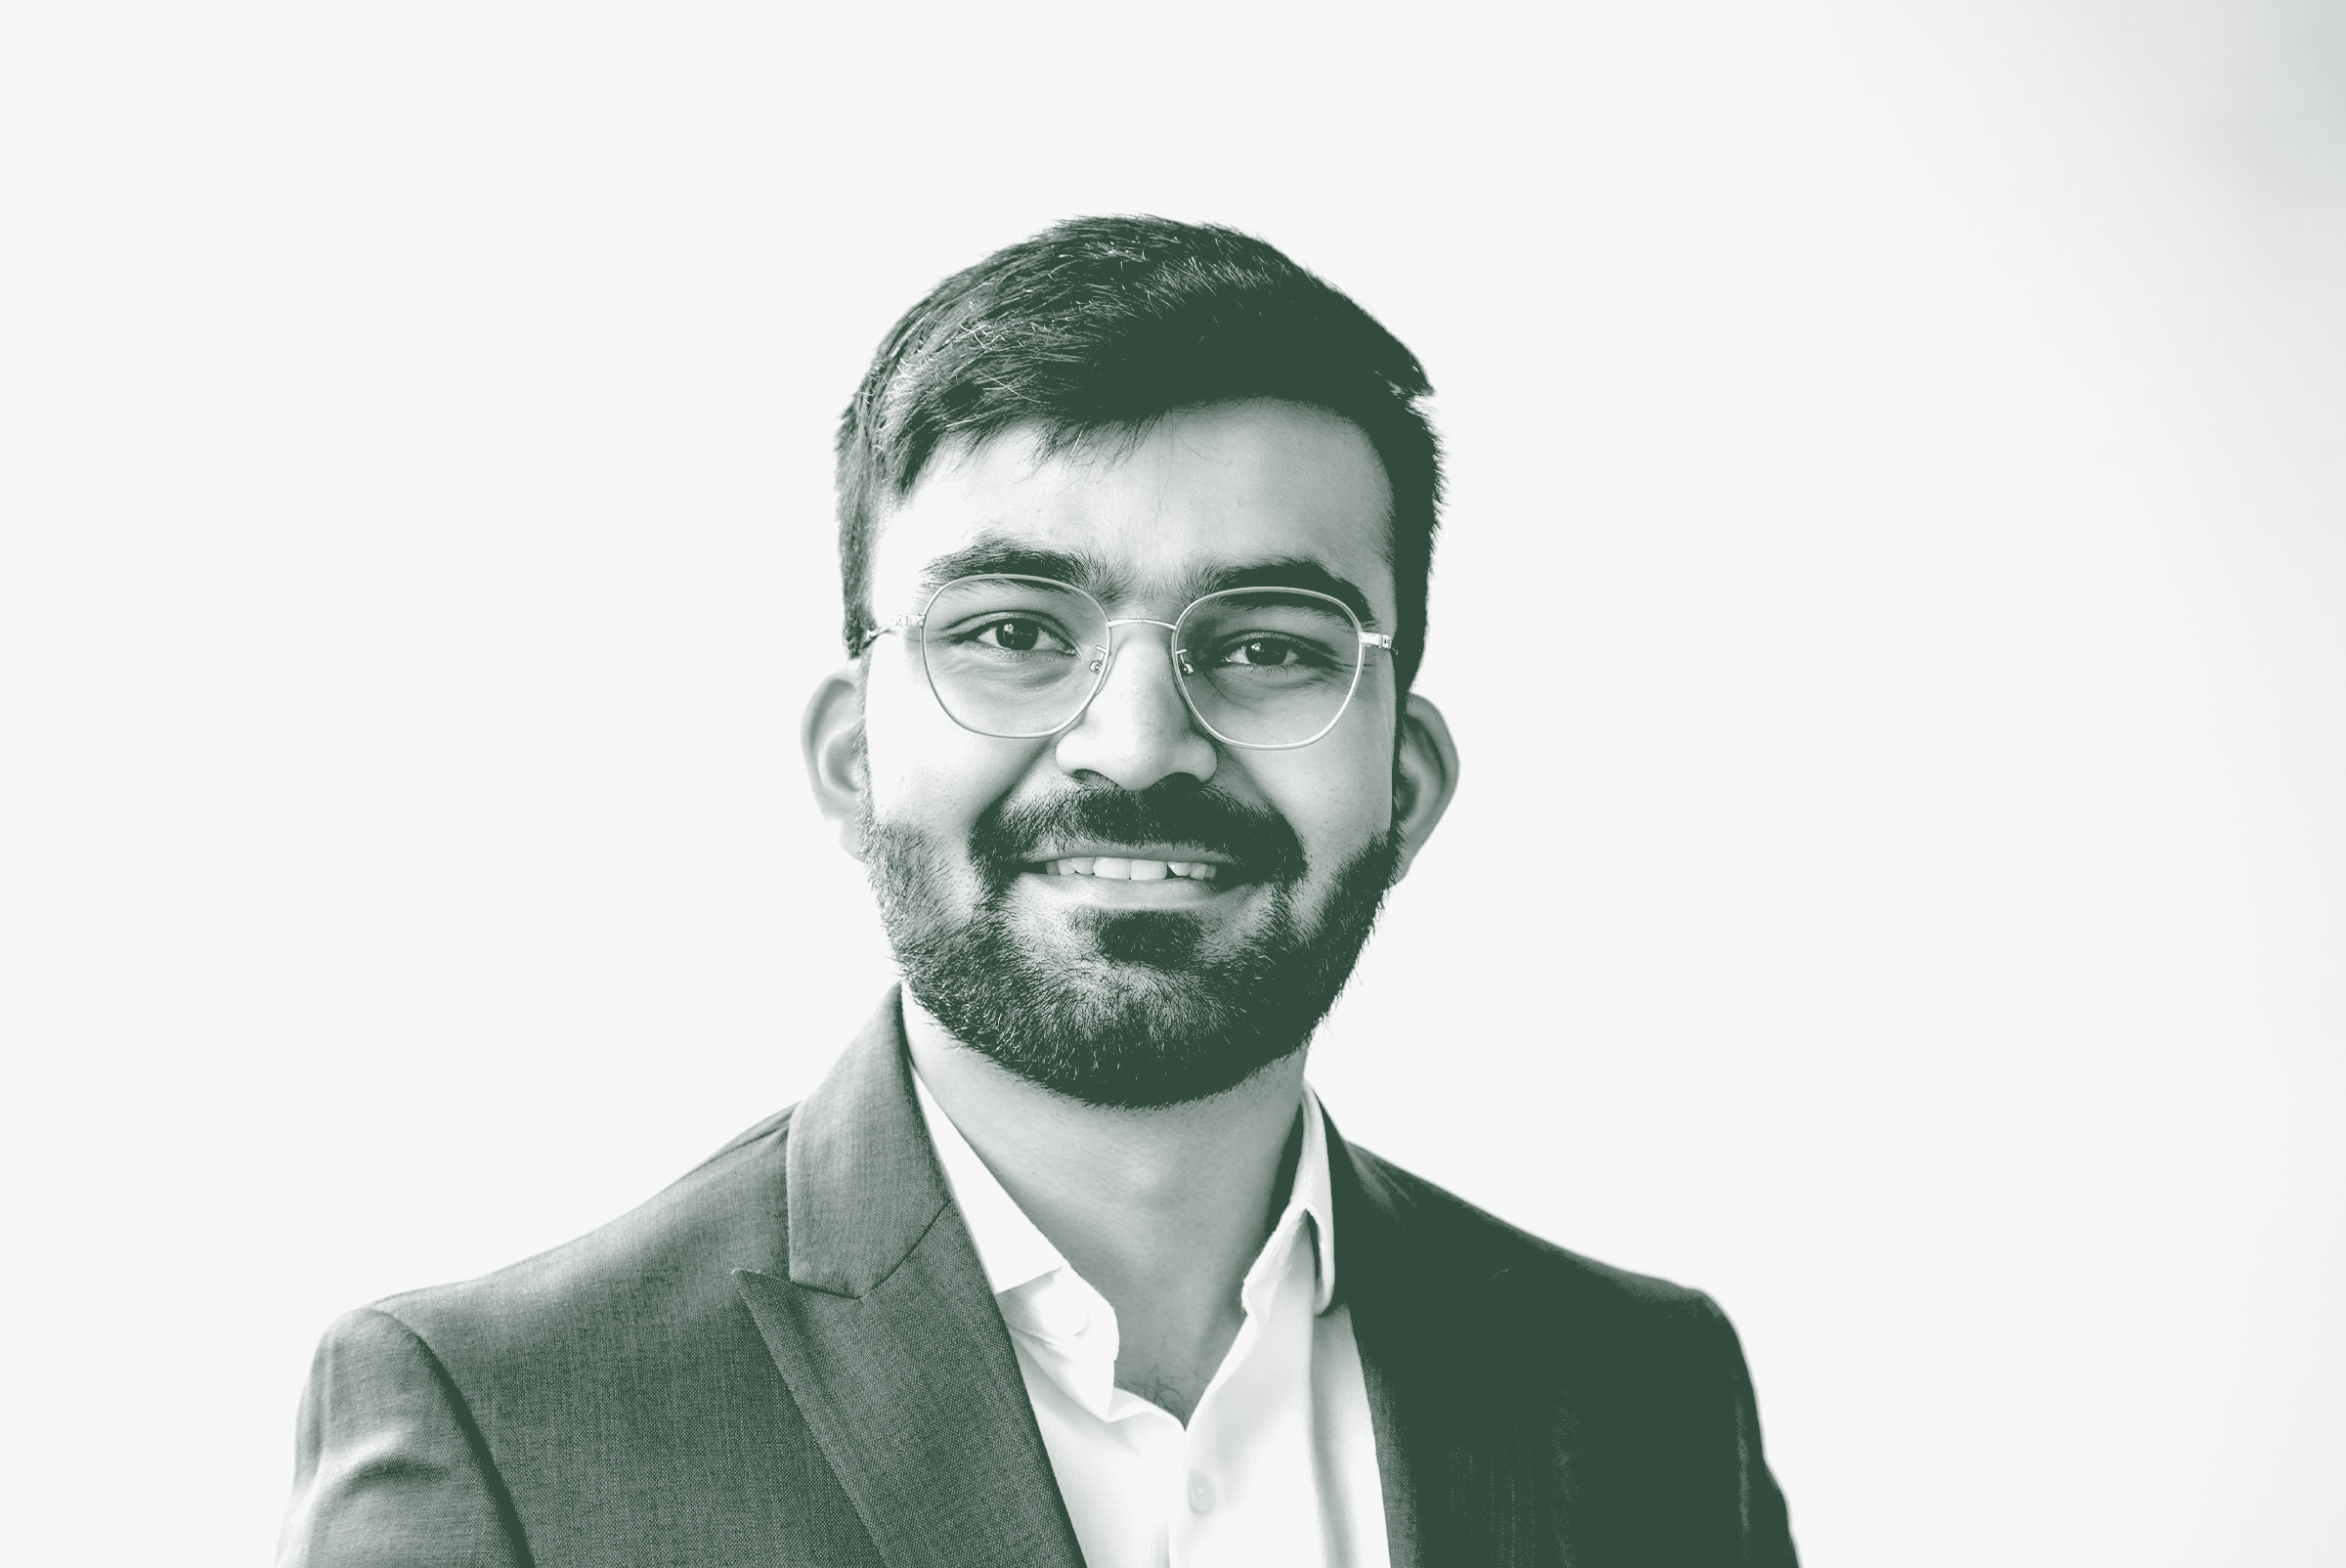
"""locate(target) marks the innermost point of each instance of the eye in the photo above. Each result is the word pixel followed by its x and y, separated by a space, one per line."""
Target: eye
pixel 1263 653
pixel 1017 635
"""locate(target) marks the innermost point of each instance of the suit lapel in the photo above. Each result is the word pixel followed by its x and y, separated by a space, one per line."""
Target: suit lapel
pixel 1459 1451
pixel 888 1337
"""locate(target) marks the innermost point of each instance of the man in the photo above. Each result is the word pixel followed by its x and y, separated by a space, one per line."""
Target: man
pixel 1063 1262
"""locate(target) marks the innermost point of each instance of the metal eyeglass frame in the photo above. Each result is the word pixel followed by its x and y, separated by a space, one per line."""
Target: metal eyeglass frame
pixel 1103 658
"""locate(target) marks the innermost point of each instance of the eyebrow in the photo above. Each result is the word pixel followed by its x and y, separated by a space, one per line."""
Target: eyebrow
pixel 990 556
pixel 997 556
pixel 1289 572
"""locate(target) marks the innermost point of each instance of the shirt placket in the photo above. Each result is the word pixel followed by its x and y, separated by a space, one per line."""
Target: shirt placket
pixel 1247 1490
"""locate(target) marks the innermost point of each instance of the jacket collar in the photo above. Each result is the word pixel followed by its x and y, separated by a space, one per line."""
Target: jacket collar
pixel 1459 1454
pixel 889 1340
pixel 863 1184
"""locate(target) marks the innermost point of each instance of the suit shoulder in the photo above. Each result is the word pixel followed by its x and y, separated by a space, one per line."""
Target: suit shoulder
pixel 1473 1242
pixel 649 1266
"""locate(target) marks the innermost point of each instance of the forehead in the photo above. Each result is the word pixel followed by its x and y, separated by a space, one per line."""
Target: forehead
pixel 1155 517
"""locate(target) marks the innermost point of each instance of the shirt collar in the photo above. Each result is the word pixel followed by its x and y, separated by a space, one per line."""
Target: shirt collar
pixel 1013 1252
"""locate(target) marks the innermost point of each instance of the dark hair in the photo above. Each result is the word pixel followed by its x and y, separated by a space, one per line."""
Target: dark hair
pixel 1106 324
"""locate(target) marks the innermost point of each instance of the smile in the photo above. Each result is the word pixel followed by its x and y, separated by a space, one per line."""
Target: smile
pixel 1138 875
pixel 1119 868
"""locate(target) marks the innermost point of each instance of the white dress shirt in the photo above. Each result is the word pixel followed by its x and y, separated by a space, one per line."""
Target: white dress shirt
pixel 1277 1465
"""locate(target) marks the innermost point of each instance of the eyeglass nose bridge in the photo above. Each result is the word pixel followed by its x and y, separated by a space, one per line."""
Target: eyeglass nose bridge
pixel 1107 649
pixel 1105 656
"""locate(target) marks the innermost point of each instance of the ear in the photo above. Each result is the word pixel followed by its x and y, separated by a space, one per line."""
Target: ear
pixel 1425 775
pixel 832 733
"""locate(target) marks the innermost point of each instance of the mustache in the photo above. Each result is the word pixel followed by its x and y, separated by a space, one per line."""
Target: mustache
pixel 1176 809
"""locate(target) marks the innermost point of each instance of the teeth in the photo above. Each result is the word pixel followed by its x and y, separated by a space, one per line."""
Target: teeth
pixel 1125 869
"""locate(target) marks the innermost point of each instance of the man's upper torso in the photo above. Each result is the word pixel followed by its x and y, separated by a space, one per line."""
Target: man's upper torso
pixel 794 1355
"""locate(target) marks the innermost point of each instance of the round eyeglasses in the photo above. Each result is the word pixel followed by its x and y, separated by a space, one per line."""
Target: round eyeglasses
pixel 1021 657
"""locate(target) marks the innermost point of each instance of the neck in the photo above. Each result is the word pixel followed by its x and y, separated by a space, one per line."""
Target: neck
pixel 1162 1210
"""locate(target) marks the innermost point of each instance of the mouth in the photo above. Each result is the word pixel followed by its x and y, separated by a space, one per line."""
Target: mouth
pixel 1135 862
pixel 1153 871
pixel 1129 868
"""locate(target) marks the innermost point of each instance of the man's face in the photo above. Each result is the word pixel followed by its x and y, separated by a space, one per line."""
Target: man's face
pixel 1164 989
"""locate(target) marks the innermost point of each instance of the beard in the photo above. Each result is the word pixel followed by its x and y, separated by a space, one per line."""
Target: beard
pixel 1128 1008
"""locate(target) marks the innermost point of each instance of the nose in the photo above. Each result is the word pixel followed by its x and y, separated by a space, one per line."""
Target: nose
pixel 1138 730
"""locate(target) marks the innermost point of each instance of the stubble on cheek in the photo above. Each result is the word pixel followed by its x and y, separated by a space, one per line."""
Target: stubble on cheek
pixel 924 891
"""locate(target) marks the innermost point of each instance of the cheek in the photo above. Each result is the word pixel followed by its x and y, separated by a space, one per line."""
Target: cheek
pixel 919 764
pixel 1352 787
pixel 1336 795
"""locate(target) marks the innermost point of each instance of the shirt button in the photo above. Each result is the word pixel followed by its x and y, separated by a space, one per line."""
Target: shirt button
pixel 1202 1493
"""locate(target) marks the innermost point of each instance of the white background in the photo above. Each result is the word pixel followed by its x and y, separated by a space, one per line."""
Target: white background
pixel 1893 607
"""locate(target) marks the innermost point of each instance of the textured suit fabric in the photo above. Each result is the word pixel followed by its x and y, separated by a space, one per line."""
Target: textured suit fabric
pixel 791 1356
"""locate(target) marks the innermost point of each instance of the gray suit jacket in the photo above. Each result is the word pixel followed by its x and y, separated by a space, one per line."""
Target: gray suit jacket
pixel 792 1357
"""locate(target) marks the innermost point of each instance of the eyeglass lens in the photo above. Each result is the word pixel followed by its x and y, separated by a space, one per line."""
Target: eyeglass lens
pixel 1020 657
